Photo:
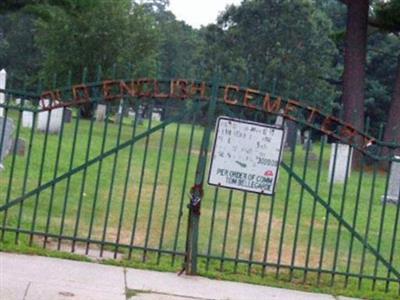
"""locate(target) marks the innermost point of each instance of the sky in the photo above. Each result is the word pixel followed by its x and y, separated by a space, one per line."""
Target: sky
pixel 199 12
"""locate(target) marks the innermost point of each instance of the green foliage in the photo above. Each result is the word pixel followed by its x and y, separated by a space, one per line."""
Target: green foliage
pixel 388 15
pixel 103 34
pixel 262 42
pixel 18 53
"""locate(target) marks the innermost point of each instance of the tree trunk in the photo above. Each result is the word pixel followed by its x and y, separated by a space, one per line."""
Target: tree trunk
pixel 392 131
pixel 354 66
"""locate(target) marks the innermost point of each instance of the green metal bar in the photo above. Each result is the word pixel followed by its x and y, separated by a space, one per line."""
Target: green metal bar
pixel 108 205
pixel 244 202
pixel 100 166
pixel 83 181
pixel 392 249
pixel 153 195
pixel 185 178
pixel 299 208
pixel 5 115
pixel 354 222
pixel 67 188
pixel 332 179
pixel 366 234
pixel 344 222
pixel 60 136
pixel 197 192
pixel 12 167
pixel 128 172
pixel 285 211
pixel 381 225
pixel 268 237
pixel 99 171
pixel 314 207
pixel 142 174
pixel 228 216
pixel 114 169
pixel 370 204
pixel 211 235
pixel 26 175
pixel 171 171
pixel 342 206
pixel 253 237
pixel 43 160
pixel 49 213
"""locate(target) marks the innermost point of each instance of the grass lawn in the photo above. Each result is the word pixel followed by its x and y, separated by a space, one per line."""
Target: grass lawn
pixel 118 199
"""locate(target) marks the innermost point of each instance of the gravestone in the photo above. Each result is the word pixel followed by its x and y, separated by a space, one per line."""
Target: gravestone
pixel 7 140
pixel 394 184
pixel 27 119
pixel 340 162
pixel 56 120
pixel 20 145
pixel 307 141
pixel 67 115
pixel 155 116
pixel 131 114
pixel 3 79
pixel 101 112
pixel 291 135
pixel 279 122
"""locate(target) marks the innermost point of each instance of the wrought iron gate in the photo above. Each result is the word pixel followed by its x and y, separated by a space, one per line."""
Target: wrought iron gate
pixel 118 187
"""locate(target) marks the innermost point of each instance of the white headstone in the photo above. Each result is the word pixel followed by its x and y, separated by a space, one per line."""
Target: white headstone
pixel 6 141
pixel 341 161
pixel 101 112
pixel 3 80
pixel 155 116
pixel 27 119
pixel 394 183
pixel 56 119
pixel 131 114
pixel 18 101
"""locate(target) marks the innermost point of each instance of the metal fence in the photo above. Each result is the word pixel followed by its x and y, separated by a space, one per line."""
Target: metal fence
pixel 111 175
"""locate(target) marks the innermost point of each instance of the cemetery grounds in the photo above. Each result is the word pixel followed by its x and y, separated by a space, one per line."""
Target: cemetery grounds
pixel 141 197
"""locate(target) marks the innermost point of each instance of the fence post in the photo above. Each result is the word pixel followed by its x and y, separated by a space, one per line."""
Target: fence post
pixel 197 190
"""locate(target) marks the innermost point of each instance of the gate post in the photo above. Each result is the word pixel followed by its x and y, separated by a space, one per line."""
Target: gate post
pixel 196 191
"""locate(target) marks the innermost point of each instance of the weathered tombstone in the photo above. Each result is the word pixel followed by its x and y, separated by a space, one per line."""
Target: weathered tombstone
pixel 55 119
pixel 298 137
pixel 394 184
pixel 6 141
pixel 279 122
pixel 340 163
pixel 3 79
pixel 27 119
pixel 101 112
pixel 307 141
pixel 155 116
pixel 67 115
pixel 120 114
pixel 131 114
pixel 20 145
pixel 291 136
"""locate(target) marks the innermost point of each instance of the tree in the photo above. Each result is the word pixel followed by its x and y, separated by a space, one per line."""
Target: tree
pixel 104 33
pixel 283 41
pixel 354 62
pixel 387 18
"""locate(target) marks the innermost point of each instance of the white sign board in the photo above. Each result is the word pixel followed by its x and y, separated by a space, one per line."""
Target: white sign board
pixel 246 156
